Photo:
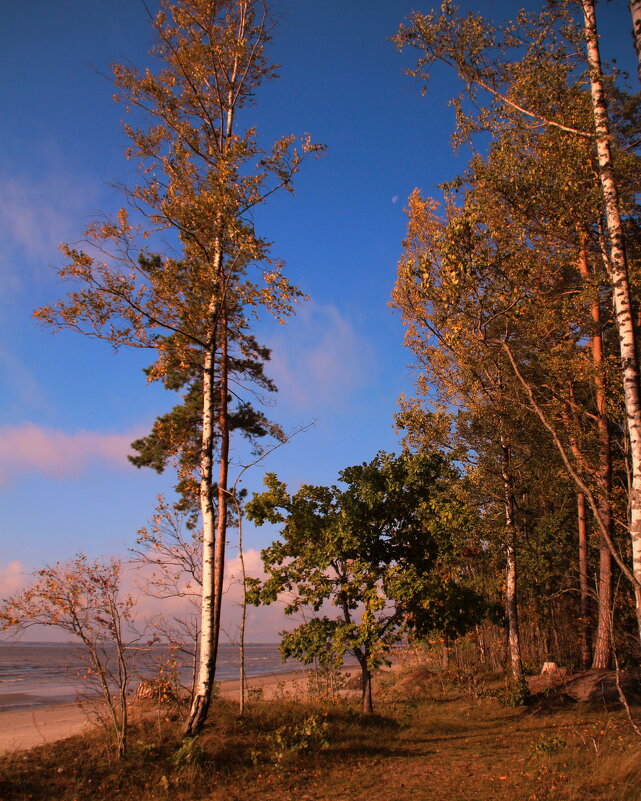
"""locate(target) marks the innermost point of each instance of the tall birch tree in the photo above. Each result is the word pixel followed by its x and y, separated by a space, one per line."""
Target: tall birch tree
pixel 619 278
pixel 201 172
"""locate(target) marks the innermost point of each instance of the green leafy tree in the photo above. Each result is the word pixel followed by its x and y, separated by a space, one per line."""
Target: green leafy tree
pixel 380 549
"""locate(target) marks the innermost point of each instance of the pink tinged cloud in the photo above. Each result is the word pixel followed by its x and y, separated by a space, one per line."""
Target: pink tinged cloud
pixel 13 577
pixel 29 448
pixel 263 624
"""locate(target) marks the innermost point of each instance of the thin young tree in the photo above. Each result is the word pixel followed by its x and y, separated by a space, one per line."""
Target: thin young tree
pixel 442 304
pixel 167 555
pixel 84 599
pixel 377 548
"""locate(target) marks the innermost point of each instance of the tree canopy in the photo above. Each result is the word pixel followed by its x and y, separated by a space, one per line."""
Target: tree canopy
pixel 379 548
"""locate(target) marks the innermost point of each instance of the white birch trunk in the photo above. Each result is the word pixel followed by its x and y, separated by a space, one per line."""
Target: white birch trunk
pixel 223 494
pixel 620 288
pixel 205 680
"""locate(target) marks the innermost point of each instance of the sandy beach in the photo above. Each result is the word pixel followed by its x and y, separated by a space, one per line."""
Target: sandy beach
pixel 27 728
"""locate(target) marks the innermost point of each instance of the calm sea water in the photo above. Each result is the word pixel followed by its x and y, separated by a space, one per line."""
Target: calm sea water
pixel 35 674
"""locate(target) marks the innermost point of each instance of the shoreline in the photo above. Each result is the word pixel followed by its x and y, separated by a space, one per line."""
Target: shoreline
pixel 68 694
pixel 23 728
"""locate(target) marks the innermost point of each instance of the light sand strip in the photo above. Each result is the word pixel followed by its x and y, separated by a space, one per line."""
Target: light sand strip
pixel 27 728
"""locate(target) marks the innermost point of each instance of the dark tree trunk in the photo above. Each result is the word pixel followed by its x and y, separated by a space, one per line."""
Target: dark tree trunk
pixel 366 681
pixel 366 691
pixel 586 645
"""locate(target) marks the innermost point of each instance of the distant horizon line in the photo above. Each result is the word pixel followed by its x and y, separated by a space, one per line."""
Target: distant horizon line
pixel 149 645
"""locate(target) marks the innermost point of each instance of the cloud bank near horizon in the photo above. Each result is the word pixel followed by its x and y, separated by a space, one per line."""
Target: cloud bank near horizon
pixel 28 447
pixel 263 624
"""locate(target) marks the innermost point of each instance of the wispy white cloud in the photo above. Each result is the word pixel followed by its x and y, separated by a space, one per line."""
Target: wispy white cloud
pixel 263 624
pixel 26 390
pixel 29 447
pixel 35 216
pixel 319 360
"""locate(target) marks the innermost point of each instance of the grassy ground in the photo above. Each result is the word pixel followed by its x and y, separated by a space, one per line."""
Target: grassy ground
pixel 430 741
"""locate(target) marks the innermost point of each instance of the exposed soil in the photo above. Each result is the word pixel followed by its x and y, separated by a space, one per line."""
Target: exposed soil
pixel 597 687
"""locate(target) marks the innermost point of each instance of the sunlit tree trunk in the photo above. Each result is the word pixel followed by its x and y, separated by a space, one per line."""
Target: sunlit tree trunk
pixel 223 494
pixel 511 598
pixel 243 613
pixel 602 645
pixel 206 655
pixel 586 649
pixel 621 290
pixel 214 530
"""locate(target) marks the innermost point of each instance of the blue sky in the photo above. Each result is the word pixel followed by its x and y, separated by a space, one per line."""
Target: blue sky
pixel 70 405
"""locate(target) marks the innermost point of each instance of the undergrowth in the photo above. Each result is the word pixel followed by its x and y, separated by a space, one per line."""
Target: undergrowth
pixel 432 739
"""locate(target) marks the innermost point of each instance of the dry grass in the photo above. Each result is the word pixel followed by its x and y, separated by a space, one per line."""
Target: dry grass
pixel 431 741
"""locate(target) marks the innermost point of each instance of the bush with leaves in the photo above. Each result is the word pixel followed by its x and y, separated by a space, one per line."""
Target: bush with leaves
pixel 84 599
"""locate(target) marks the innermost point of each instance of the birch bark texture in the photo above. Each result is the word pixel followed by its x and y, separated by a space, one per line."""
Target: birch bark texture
pixel 619 280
